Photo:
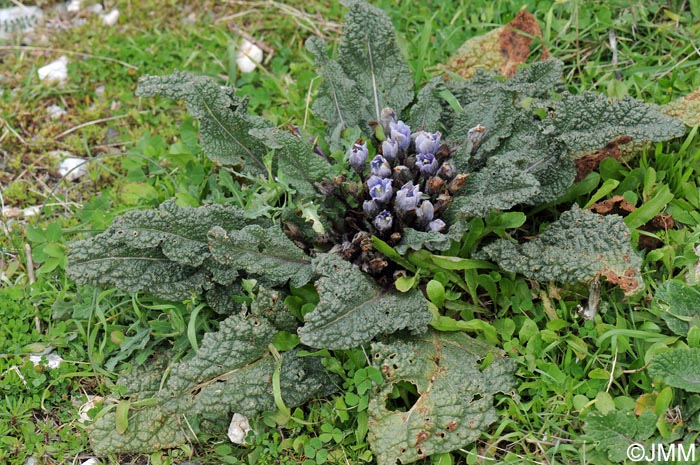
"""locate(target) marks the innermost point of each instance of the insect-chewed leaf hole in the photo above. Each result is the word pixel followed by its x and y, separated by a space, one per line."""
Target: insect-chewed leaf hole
pixel 403 397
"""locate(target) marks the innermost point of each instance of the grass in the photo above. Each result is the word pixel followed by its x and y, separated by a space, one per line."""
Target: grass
pixel 142 152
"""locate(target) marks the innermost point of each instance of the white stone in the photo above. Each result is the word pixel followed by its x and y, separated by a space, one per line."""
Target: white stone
pixel 83 410
pixel 92 461
pixel 52 360
pixel 73 6
pixel 72 168
pixel 238 429
pixel 248 56
pixel 55 112
pixel 56 71
pixel 96 8
pixel 18 19
pixel 111 18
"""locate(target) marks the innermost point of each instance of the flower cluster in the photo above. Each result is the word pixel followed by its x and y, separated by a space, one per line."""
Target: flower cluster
pixel 408 182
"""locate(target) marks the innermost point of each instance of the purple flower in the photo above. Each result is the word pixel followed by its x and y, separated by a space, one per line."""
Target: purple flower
pixel 427 142
pixel 371 208
pixel 383 221
pixel 427 164
pixel 380 167
pixel 424 213
pixel 390 148
pixel 436 225
pixel 357 156
pixel 380 189
pixel 401 133
pixel 407 197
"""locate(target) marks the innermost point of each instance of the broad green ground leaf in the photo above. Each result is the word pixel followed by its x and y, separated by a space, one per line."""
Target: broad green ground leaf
pixel 353 309
pixel 224 123
pixel 589 121
pixel 615 431
pixel 426 113
pixel 371 57
pixel 501 185
pixel 680 305
pixel 265 253
pixel 338 103
pixel 679 368
pixel 436 241
pixel 163 251
pixel 231 372
pixel 297 163
pixel 576 248
pixel 456 395
pixel 369 74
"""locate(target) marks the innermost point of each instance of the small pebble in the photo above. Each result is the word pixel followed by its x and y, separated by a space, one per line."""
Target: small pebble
pixel 56 71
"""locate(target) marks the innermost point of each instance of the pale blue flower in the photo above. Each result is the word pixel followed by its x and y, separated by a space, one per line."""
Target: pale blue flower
pixel 380 167
pixel 383 221
pixel 407 197
pixel 427 142
pixel 401 133
pixel 358 156
pixel 427 164
pixel 390 148
pixel 380 189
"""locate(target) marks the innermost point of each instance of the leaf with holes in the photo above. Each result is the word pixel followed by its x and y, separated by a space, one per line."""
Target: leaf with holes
pixel 455 394
pixel 231 372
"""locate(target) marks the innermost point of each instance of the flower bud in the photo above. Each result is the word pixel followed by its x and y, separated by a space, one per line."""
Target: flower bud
pixel 390 148
pixel 371 208
pixel 434 186
pixel 380 167
pixel 436 225
pixel 407 198
pixel 357 156
pixel 387 117
pixel 424 213
pixel 401 133
pixel 383 221
pixel 402 174
pixel 447 171
pixel 427 142
pixel 476 135
pixel 458 183
pixel 427 164
pixel 380 189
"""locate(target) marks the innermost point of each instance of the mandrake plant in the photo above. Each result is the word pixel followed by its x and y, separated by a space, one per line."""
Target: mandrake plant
pixel 407 176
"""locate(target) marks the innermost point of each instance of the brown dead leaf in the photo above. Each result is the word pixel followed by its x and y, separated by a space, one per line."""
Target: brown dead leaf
pixel 619 206
pixel 502 49
pixel 588 163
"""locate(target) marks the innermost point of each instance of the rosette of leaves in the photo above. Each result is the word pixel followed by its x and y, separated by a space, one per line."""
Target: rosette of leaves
pixel 493 144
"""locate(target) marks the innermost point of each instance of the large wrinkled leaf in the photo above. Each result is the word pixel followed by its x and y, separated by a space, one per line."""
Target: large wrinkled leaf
pixel 426 113
pixel 679 368
pixel 530 140
pixel 297 164
pixel 371 57
pixel 337 102
pixel 263 252
pixel 232 372
pixel 502 184
pixel 589 121
pixel 680 305
pixel 436 241
pixel 576 248
pixel 369 74
pixel 224 123
pixel 615 431
pixel 353 309
pixel 456 395
pixel 163 251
